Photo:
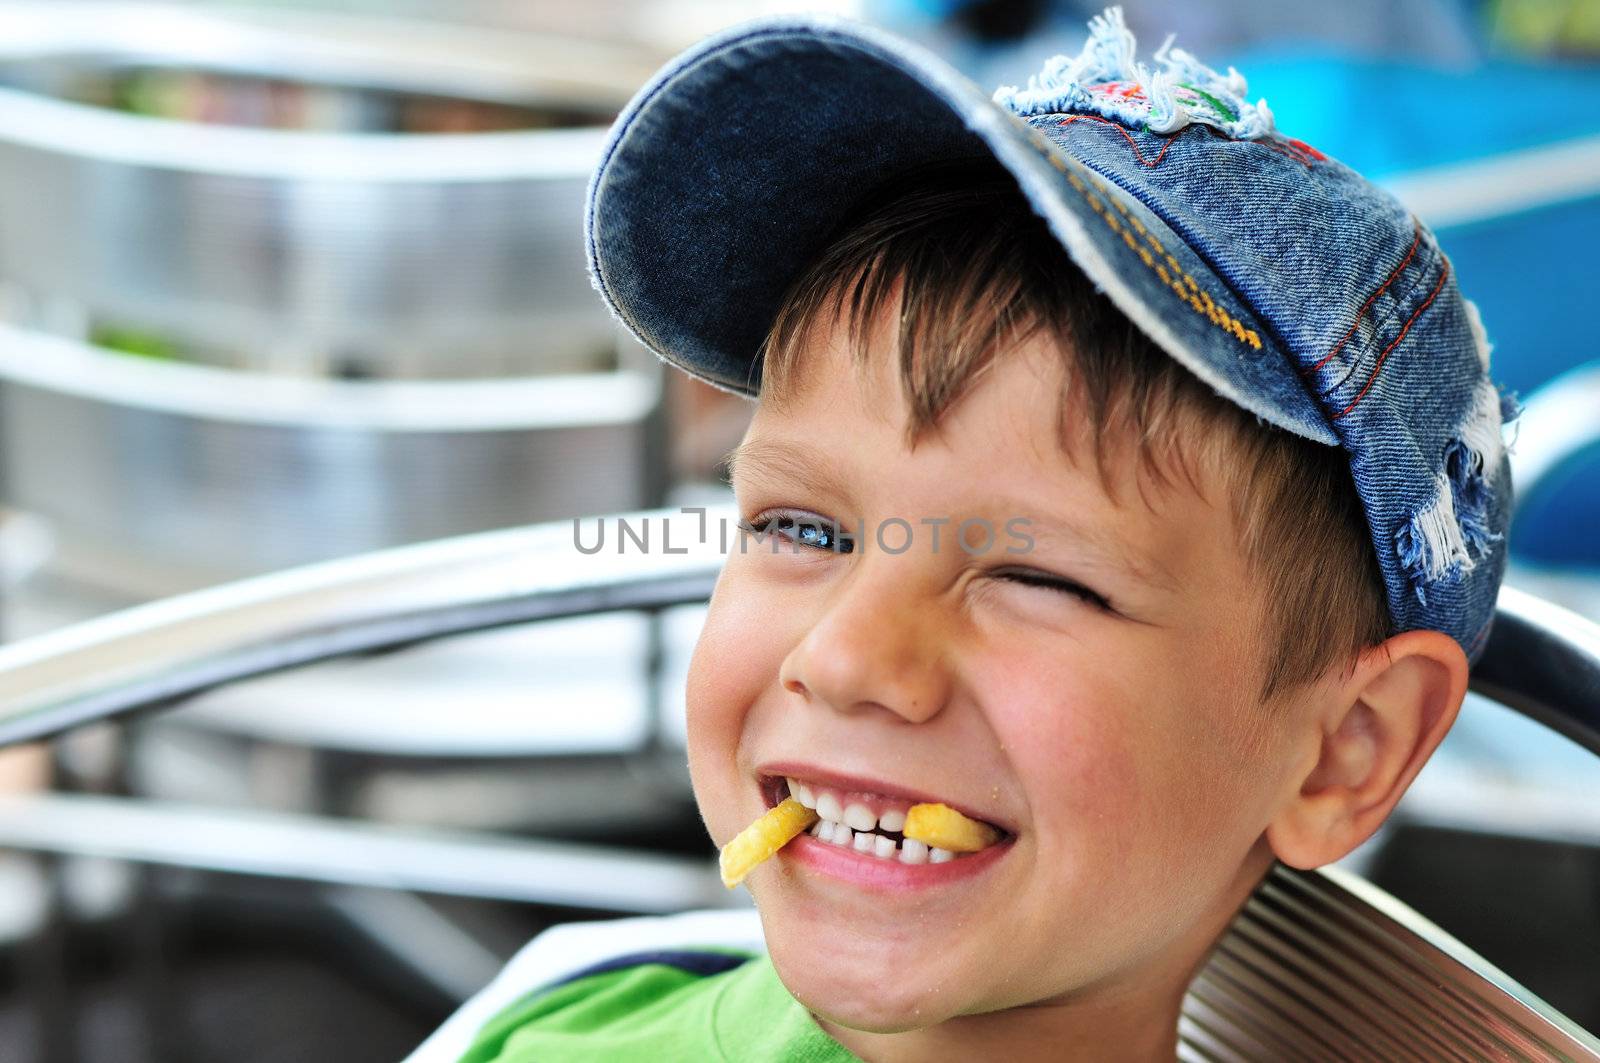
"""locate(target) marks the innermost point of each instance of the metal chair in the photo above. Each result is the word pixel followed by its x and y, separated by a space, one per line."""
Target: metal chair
pixel 1318 964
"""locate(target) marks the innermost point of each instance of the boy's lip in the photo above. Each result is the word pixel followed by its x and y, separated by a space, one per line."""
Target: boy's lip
pixel 779 770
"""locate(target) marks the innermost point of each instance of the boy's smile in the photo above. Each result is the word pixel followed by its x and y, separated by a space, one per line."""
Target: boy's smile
pixel 860 833
pixel 1092 695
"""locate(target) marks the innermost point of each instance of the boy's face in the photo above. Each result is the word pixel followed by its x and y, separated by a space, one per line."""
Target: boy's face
pixel 1113 746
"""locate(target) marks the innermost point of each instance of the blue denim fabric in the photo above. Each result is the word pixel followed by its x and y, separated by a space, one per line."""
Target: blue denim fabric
pixel 1280 277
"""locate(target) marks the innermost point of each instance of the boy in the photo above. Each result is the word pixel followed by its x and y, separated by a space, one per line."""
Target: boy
pixel 1207 430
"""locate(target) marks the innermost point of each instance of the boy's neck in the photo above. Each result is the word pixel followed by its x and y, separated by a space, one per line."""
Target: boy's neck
pixel 1125 1031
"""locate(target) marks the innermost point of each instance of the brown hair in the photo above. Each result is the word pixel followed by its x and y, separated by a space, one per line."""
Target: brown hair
pixel 975 272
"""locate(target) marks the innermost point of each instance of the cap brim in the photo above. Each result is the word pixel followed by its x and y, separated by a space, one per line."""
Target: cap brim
pixel 725 174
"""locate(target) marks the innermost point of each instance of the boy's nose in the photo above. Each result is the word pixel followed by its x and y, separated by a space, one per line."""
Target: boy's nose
pixel 873 649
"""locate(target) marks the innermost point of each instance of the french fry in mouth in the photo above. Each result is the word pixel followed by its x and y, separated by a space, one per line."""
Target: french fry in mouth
pixel 943 827
pixel 761 839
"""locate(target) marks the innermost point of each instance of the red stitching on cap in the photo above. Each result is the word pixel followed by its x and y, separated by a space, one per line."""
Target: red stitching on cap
pixel 1281 149
pixel 1415 242
pixel 1443 273
pixel 1301 145
pixel 1298 152
pixel 1152 164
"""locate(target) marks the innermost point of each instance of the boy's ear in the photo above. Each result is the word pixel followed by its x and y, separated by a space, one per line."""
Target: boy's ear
pixel 1368 739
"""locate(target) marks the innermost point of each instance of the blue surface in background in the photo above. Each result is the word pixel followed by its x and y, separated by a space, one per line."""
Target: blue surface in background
pixel 1560 524
pixel 1535 275
pixel 1386 118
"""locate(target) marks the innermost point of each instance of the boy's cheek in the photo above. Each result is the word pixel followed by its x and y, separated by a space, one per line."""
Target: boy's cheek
pixel 735 660
pixel 1132 763
pixel 1076 728
pixel 712 738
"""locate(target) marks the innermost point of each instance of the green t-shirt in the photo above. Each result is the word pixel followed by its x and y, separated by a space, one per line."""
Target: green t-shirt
pixel 662 1010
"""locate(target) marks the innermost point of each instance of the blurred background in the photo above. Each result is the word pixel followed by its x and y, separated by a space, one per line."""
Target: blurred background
pixel 288 282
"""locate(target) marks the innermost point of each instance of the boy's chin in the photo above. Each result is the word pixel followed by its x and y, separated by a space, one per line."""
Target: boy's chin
pixel 888 986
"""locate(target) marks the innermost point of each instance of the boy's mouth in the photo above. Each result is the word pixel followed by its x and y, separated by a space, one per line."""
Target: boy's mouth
pixel 865 821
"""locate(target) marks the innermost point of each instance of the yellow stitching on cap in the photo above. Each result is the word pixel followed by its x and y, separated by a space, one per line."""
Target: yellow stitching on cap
pixel 1044 145
pixel 1193 294
pixel 1178 279
pixel 1188 297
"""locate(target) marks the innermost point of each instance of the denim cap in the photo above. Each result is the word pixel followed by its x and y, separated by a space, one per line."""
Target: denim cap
pixel 1280 277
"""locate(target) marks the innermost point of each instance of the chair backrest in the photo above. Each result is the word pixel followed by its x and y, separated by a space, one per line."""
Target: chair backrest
pixel 1315 958
pixel 1323 965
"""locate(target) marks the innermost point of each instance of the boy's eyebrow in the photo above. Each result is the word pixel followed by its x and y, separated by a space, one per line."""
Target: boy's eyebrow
pixel 783 462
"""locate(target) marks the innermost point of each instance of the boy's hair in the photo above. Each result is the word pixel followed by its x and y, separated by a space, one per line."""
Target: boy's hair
pixel 976 271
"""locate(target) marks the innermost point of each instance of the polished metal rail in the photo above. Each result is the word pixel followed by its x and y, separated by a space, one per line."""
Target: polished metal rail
pixel 356 853
pixel 157 653
pixel 1544 661
pixel 1558 422
pixel 432 255
pixel 159 477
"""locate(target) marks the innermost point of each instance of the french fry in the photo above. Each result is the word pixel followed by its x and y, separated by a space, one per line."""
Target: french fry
pixel 764 837
pixel 943 827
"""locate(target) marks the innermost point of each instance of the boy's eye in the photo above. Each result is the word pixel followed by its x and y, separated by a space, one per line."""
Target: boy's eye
pixel 1034 578
pixel 803 530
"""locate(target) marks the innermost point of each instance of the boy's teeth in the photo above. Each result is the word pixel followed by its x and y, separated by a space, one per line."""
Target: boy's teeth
pixel 860 817
pixel 855 826
pixel 802 793
pixel 908 851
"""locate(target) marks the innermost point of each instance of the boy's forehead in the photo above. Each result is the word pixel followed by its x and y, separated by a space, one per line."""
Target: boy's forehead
pixel 1017 406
